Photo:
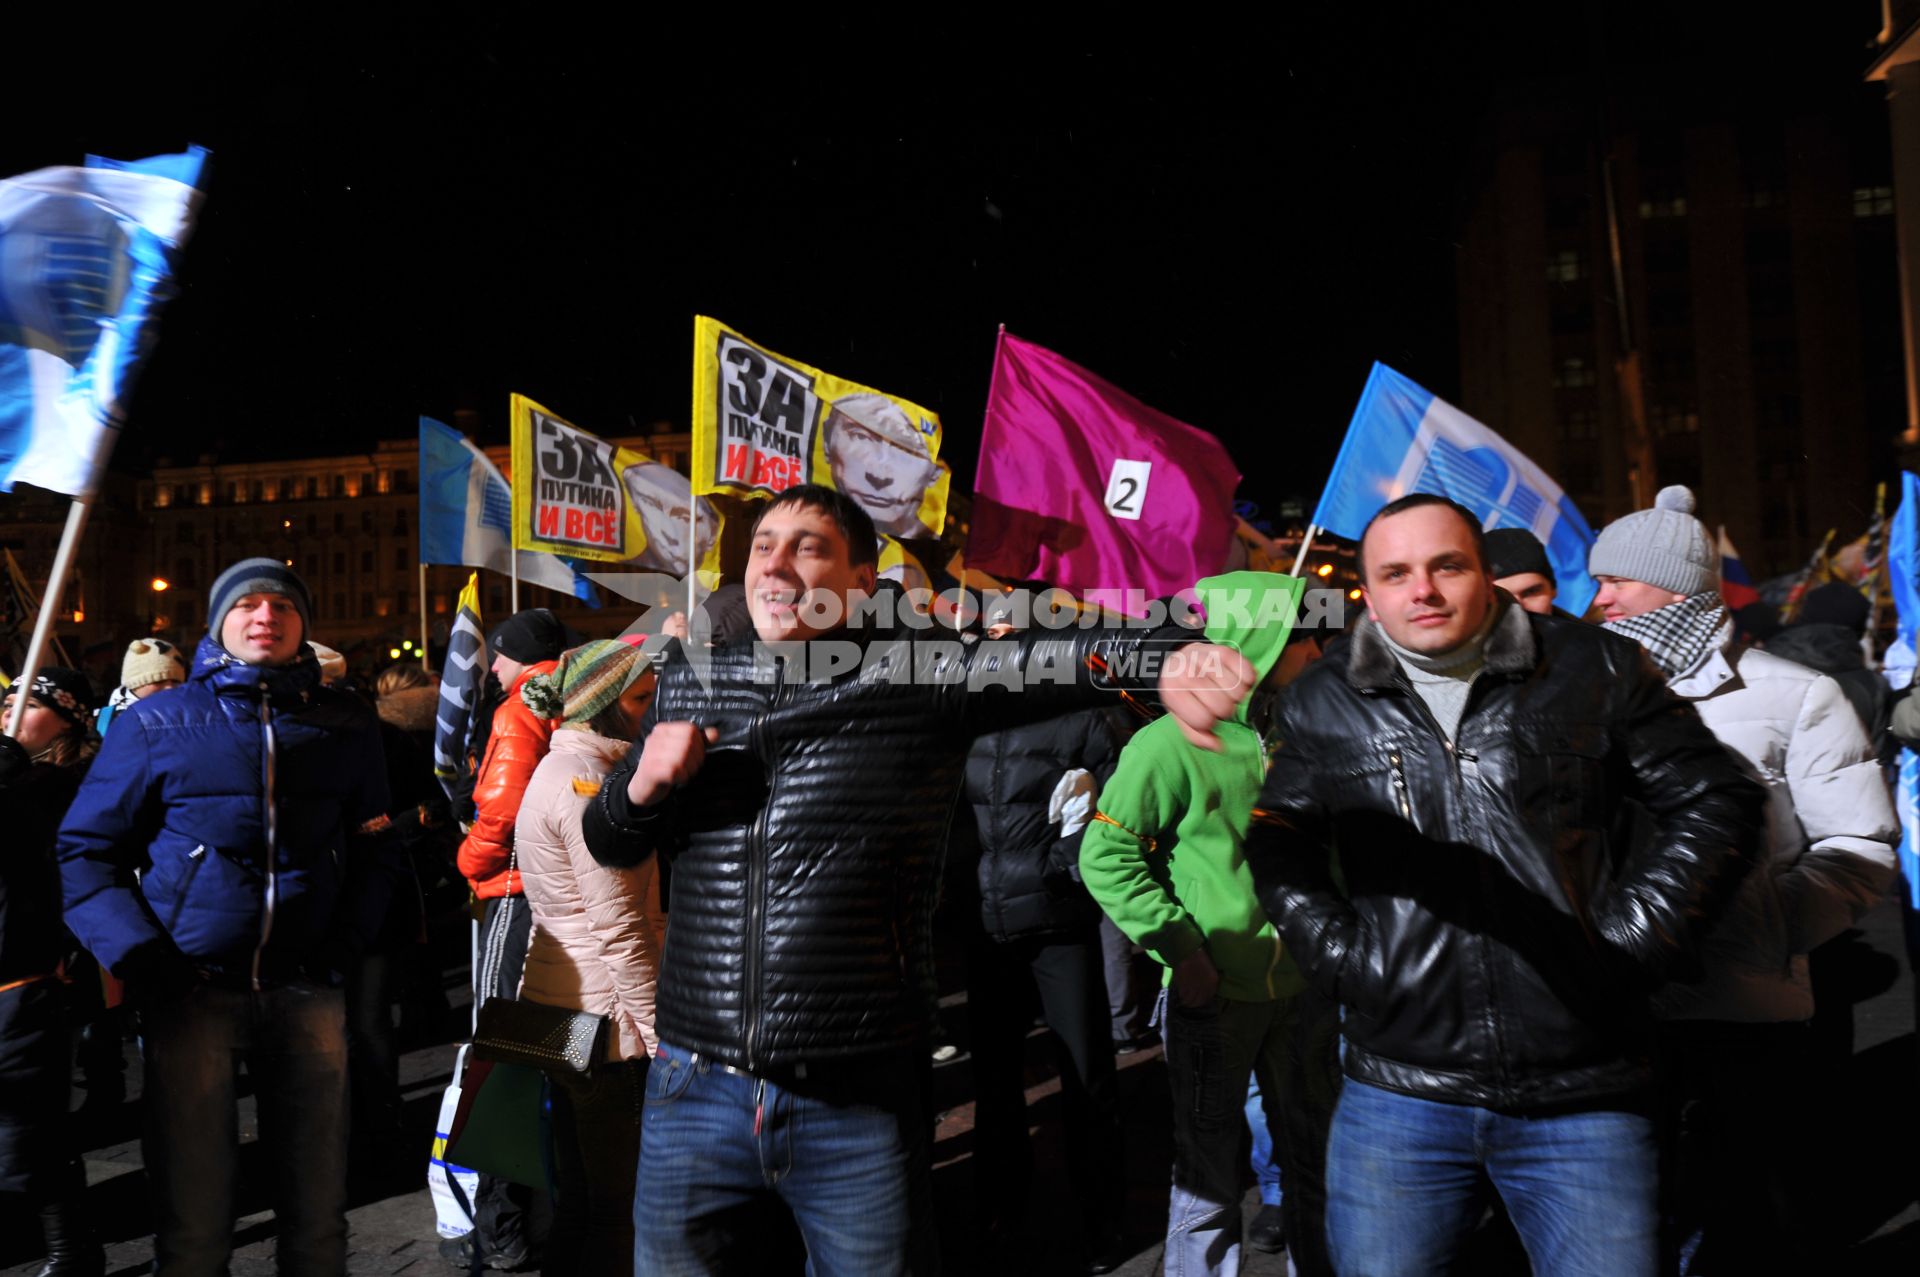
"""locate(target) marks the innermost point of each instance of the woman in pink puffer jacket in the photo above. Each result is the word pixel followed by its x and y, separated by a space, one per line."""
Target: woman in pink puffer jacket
pixel 597 934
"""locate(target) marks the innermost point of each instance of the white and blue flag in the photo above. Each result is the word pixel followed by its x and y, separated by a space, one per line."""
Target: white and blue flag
pixel 86 262
pixel 466 515
pixel 1405 439
pixel 1903 578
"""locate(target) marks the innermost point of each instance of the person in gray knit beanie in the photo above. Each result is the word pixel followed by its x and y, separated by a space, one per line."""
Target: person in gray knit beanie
pixel 1665 548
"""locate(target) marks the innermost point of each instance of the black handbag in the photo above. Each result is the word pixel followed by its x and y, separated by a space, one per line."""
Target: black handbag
pixel 559 1041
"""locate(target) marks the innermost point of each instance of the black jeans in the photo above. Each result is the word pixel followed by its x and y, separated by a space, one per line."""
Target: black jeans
pixel 1066 973
pixel 596 1156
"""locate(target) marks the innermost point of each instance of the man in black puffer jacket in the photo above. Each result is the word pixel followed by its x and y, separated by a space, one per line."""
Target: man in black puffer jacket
pixel 1441 843
pixel 1038 933
pixel 803 785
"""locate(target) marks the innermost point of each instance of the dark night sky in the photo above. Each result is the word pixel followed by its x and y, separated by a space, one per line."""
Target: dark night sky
pixel 405 216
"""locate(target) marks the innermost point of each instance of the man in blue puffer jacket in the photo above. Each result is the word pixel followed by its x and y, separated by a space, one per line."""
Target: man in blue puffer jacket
pixel 221 860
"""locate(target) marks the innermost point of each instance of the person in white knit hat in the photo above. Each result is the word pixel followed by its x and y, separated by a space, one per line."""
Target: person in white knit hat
pixel 151 665
pixel 1734 1043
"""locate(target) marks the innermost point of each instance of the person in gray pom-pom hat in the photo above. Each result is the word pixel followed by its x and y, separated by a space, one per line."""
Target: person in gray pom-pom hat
pixel 1733 1046
pixel 1651 558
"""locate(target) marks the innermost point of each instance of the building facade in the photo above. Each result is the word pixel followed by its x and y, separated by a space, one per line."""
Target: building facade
pixel 1756 272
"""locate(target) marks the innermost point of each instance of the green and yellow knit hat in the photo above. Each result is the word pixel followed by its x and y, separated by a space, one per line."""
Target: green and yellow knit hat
pixel 588 679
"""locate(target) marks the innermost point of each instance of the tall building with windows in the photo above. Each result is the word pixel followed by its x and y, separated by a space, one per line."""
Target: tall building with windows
pixel 349 525
pixel 1756 273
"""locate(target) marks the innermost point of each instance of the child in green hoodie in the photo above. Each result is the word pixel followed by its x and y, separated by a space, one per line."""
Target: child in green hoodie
pixel 1164 856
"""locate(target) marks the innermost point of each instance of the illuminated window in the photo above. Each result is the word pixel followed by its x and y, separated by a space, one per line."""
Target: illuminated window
pixel 1573 373
pixel 162 496
pixel 1666 206
pixel 1671 419
pixel 1565 267
pixel 1872 201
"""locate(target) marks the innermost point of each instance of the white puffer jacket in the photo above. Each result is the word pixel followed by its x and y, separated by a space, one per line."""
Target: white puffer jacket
pixel 1829 841
pixel 597 932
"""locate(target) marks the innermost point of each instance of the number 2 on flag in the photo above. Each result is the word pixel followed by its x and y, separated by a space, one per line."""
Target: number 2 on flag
pixel 1127 488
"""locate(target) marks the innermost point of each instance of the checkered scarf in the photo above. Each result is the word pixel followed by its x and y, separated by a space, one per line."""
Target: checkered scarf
pixel 1678 635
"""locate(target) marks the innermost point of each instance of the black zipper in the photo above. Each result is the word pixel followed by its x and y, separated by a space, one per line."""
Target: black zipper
pixel 757 866
pixel 195 858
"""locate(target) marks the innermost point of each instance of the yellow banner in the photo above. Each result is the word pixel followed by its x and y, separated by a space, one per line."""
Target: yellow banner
pixel 763 423
pixel 578 495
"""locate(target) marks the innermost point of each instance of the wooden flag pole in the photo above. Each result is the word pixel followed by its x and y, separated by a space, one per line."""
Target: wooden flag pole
pixel 77 513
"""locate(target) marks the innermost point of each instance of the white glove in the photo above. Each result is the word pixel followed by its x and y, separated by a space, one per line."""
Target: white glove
pixel 1071 806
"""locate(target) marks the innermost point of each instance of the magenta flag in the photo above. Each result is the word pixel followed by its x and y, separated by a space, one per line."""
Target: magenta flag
pixel 1083 486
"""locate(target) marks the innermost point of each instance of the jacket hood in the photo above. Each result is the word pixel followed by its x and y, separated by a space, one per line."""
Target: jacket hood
pixel 1252 613
pixel 220 669
pixel 412 709
pixel 1831 649
pixel 577 742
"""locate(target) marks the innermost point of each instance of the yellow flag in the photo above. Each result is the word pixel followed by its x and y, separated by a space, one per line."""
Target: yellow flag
pixel 763 423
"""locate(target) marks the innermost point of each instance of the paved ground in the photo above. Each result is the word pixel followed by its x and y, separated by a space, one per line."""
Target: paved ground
pixel 1877 1179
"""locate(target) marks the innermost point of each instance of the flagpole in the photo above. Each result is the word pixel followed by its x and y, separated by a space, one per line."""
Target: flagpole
pixel 77 513
pixel 424 664
pixel 1306 543
pixel 514 591
pixel 693 542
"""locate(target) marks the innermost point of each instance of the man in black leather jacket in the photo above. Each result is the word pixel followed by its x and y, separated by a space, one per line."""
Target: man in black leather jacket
pixel 802 785
pixel 1441 844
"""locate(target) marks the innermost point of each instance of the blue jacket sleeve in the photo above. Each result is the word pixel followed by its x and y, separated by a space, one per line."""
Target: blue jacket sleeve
pixel 102 842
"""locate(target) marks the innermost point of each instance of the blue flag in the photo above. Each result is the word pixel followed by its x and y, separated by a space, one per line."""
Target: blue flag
pixel 466 512
pixel 1403 439
pixel 86 262
pixel 1903 577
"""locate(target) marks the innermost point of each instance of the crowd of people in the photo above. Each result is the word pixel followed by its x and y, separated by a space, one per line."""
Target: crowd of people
pixel 1473 917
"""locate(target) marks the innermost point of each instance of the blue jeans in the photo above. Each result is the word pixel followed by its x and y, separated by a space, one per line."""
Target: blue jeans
pixel 1265 1169
pixel 294 1042
pixel 845 1146
pixel 1407 1180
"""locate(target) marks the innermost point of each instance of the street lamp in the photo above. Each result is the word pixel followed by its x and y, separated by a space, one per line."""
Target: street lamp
pixel 157 622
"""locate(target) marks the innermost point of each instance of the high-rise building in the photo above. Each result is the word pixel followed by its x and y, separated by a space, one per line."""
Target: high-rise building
pixel 1755 288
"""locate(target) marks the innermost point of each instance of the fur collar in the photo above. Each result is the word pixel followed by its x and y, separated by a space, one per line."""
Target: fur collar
pixel 1511 649
pixel 412 709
